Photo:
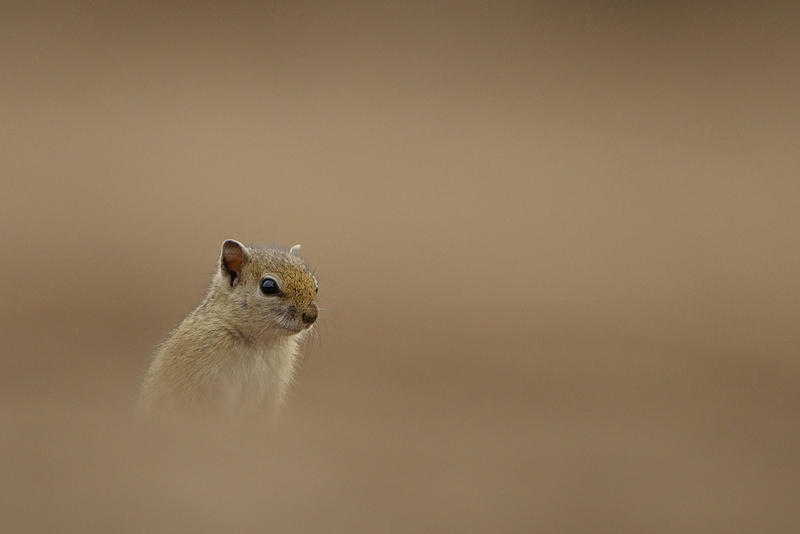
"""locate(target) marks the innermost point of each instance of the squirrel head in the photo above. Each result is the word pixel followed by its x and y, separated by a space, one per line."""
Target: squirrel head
pixel 270 291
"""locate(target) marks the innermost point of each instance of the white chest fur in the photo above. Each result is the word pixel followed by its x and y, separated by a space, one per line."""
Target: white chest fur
pixel 252 378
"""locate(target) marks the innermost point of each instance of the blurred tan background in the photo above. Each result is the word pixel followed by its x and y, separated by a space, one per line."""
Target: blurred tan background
pixel 557 242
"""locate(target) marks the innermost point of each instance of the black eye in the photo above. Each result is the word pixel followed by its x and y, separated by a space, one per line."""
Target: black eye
pixel 269 286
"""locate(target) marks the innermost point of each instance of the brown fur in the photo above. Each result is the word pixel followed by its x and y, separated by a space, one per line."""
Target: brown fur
pixel 237 351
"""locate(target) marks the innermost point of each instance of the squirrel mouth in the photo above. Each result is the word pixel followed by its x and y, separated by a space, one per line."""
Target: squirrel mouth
pixel 295 322
pixel 290 325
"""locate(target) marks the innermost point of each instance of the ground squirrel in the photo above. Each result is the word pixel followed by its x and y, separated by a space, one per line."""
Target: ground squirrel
pixel 237 351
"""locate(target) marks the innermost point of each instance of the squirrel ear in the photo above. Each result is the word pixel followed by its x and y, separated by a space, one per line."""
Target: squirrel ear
pixel 295 250
pixel 232 259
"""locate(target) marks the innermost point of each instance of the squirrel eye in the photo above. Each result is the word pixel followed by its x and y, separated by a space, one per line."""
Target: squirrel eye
pixel 269 286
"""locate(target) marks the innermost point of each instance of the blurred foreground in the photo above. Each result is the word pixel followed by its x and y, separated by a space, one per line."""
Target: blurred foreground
pixel 556 435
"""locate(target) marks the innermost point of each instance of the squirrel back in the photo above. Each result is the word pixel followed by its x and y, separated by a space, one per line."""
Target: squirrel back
pixel 237 351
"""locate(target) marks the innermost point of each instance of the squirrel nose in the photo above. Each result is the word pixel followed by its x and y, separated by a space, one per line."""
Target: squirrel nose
pixel 310 316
